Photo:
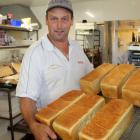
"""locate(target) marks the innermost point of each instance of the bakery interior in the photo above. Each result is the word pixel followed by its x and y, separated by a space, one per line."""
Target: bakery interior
pixel 109 33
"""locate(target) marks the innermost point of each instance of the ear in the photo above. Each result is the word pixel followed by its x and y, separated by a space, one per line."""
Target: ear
pixel 46 18
pixel 72 22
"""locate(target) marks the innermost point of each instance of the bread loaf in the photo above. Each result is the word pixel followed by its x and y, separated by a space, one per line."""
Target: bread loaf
pixel 5 71
pixel 131 89
pixel 16 67
pixel 90 83
pixel 112 83
pixel 47 114
pixel 110 122
pixel 69 123
pixel 13 79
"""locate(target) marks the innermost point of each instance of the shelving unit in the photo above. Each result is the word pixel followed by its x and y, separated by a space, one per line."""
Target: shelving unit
pixel 8 27
pixel 134 55
pixel 89 40
pixel 19 44
pixel 15 45
pixel 96 38
pixel 13 28
pixel 14 41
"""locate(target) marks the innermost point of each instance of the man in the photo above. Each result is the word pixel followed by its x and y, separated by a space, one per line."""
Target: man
pixel 51 67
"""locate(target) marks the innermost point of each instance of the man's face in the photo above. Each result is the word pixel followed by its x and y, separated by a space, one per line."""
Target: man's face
pixel 59 21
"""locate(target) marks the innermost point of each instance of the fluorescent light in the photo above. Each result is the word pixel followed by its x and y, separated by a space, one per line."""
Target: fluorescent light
pixel 90 14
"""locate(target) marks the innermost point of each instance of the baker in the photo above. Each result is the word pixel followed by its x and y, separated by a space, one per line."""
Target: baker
pixel 51 67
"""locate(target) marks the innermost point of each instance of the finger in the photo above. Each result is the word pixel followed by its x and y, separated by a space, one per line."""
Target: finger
pixel 51 134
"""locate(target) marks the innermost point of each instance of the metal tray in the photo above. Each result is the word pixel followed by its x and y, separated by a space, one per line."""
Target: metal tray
pixel 133 132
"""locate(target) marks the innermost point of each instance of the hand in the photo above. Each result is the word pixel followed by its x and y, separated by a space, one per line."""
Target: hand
pixel 42 132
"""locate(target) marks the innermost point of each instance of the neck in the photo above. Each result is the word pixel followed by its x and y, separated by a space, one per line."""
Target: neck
pixel 63 46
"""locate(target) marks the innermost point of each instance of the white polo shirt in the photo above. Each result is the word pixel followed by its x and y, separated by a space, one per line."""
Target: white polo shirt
pixel 46 73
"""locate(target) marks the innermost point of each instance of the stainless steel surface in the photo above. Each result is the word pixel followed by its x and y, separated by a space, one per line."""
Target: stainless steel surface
pixel 133 132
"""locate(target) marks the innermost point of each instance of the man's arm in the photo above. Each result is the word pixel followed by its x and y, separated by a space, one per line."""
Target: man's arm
pixel 40 131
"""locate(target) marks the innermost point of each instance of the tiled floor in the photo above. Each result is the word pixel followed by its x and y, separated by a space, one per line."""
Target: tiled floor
pixel 4 112
pixel 5 134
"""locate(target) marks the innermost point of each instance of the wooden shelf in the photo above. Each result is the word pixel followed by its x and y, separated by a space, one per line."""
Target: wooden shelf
pixel 14 47
pixel 22 43
pixel 134 48
pixel 8 27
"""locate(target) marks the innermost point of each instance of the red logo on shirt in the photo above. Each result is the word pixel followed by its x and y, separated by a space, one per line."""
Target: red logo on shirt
pixel 80 62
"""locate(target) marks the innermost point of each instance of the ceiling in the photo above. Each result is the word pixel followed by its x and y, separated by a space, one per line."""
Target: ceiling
pixel 24 2
pixel 30 2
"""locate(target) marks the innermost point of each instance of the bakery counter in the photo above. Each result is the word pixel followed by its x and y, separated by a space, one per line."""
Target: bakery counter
pixel 132 133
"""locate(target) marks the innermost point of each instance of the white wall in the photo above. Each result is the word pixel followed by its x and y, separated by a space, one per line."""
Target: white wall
pixel 104 10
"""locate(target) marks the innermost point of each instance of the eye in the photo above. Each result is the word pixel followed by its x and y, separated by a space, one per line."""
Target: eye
pixel 53 19
pixel 65 19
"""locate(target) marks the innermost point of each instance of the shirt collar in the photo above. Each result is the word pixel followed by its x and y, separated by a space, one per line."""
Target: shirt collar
pixel 46 43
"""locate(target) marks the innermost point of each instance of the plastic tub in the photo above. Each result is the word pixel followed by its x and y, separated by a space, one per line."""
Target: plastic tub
pixel 15 22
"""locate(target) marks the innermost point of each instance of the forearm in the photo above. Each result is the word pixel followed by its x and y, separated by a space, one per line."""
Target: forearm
pixel 40 131
pixel 28 109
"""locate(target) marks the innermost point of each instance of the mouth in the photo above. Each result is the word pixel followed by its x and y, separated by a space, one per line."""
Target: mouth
pixel 59 31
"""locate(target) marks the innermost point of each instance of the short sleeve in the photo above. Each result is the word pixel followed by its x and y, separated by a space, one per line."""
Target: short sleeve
pixel 30 76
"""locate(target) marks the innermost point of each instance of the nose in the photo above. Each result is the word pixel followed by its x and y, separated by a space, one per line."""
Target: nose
pixel 59 24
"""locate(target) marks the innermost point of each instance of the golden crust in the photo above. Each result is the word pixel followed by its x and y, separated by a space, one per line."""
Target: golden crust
pixel 97 131
pixel 131 90
pixel 133 82
pixel 75 112
pixel 105 119
pixel 70 96
pixel 49 113
pixel 69 123
pixel 111 84
pixel 98 72
pixel 90 83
